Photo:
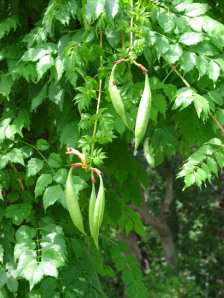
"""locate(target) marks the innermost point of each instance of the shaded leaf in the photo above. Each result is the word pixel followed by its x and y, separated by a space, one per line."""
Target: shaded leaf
pixel 42 182
pixel 51 195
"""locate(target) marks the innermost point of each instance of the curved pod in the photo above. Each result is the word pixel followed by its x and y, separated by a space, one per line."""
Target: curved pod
pixel 73 203
pixel 98 211
pixel 92 203
pixel 116 97
pixel 143 113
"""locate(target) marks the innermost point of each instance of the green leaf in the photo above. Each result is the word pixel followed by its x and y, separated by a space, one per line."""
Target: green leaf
pixel 111 7
pixel 43 65
pixel 189 180
pixel 34 166
pixel 72 4
pixel 24 234
pixel 54 160
pixel 220 158
pixel 12 284
pixel 42 182
pixel 213 71
pixel 127 276
pixel 1 253
pixel 60 176
pixel 173 54
pixel 160 104
pixel 191 38
pixel 220 63
pixel 212 165
pixel 188 61
pixel 62 13
pixel 215 141
pixel 162 45
pixel 38 99
pixel 7 25
pixel 139 227
pixel 128 226
pixel 97 7
pixel 69 135
pixel 201 105
pixel 42 145
pixel 204 172
pixel 51 195
pixel 3 161
pixel 3 277
pixel 34 54
pixel 56 95
pixel 137 290
pixel 184 98
pixel 216 97
pixel 60 67
pixel 15 156
pixel 202 65
pixel 109 271
pixel 113 37
pixel 131 260
pixel 18 212
pixel 196 9
pixel 166 21
pixel 80 184
pixel 5 84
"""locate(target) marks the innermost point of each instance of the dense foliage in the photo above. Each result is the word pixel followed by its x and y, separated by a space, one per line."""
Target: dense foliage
pixel 55 60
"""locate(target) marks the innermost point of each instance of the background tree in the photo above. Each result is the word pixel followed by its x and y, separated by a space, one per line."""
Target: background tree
pixel 55 60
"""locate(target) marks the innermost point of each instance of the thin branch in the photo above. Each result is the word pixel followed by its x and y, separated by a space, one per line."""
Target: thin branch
pixel 188 85
pixel 18 179
pixel 99 94
pixel 177 72
pixel 216 121
pixel 131 25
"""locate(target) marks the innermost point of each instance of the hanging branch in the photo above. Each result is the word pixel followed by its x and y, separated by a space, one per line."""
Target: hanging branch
pixel 188 85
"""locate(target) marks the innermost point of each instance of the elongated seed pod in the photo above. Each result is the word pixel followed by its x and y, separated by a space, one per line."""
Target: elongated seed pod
pixel 143 113
pixel 92 203
pixel 116 97
pixel 148 153
pixel 98 211
pixel 73 203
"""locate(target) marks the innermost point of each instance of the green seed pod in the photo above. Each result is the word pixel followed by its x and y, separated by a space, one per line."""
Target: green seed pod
pixel 73 203
pixel 143 113
pixel 92 203
pixel 98 212
pixel 116 97
pixel 148 153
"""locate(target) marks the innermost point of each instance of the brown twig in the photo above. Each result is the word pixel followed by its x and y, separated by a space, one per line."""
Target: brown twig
pixel 18 179
pixel 141 67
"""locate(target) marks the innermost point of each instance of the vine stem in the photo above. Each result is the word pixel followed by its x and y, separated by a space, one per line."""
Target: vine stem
pixel 99 93
pixel 18 179
pixel 189 86
pixel 131 25
pixel 32 146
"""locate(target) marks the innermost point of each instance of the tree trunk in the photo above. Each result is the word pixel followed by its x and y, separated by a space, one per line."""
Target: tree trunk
pixel 139 251
pixel 159 222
